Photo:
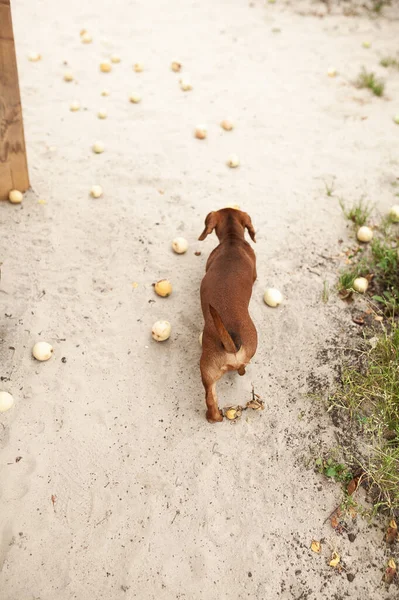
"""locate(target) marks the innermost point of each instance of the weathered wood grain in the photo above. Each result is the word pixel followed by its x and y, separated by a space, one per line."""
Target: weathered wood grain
pixel 13 162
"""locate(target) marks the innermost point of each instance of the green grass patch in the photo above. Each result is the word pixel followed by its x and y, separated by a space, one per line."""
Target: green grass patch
pixel 385 257
pixel 380 259
pixel 370 396
pixel 368 79
pixel 333 469
pixel 384 265
pixel 366 403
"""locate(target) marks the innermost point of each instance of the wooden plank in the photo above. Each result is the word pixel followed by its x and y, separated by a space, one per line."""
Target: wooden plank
pixel 13 162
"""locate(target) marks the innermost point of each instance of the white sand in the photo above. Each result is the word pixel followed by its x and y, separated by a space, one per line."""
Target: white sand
pixel 152 502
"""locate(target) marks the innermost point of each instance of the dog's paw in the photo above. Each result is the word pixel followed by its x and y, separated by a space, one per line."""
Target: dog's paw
pixel 214 417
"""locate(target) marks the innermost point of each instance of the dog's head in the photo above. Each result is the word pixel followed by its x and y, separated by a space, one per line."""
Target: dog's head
pixel 227 219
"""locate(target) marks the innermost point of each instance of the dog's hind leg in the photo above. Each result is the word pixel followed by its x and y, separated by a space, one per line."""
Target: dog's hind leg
pixel 213 413
pixel 209 379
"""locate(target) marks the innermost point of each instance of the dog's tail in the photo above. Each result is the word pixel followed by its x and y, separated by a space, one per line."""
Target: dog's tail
pixel 230 340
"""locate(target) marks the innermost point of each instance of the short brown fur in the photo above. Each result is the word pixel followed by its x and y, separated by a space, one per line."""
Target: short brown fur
pixel 229 338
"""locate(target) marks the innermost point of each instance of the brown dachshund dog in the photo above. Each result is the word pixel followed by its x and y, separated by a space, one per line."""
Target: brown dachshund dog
pixel 229 339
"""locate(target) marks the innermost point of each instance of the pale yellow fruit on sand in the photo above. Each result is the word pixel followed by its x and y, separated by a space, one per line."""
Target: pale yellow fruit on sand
pixel 15 196
pixel 200 132
pixel 396 119
pixel 176 66
pixel 272 297
pixel 231 413
pixel 96 191
pixel 161 331
pixel 360 285
pixel 226 125
pixel 366 44
pixel 364 234
pixel 102 114
pixel 105 67
pixel 185 85
pixel 201 335
pixel 163 288
pixel 115 58
pixel 233 161
pixel 68 76
pixel 105 93
pixel 332 72
pixel 6 401
pixel 98 147
pixel 74 106
pixel 235 206
pixel 138 67
pixel 86 38
pixel 180 245
pixel 34 56
pixel 394 213
pixel 135 98
pixel 42 351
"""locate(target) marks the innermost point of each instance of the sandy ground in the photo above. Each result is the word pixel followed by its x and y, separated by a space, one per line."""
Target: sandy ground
pixel 150 501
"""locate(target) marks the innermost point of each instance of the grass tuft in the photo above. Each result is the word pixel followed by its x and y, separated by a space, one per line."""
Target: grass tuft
pixel 358 213
pixel 329 187
pixel 378 5
pixel 347 278
pixel 389 61
pixel 326 292
pixel 368 79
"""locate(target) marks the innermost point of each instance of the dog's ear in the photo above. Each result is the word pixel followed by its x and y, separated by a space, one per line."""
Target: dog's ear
pixel 210 224
pixel 248 224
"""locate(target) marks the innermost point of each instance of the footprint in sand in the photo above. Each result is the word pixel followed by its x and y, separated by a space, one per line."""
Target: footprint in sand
pixel 77 466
